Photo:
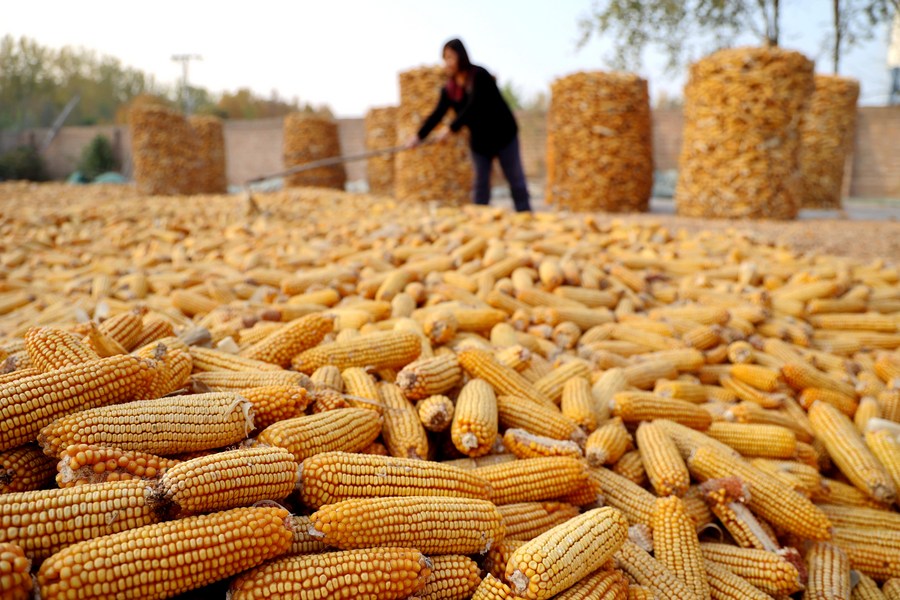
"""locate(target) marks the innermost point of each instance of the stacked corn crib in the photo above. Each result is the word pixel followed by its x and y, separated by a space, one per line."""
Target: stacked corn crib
pixel 436 403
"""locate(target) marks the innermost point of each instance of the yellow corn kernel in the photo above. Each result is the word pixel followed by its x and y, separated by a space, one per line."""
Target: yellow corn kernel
pixel 528 445
pixel 82 463
pixel 775 573
pixel 272 403
pixel 665 468
pixel 533 479
pixel 429 376
pixel 24 469
pixel 537 419
pixel 391 349
pixel 527 520
pixel 607 444
pixel 676 546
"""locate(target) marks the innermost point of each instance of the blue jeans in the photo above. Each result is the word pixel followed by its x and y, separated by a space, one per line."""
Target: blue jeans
pixel 511 163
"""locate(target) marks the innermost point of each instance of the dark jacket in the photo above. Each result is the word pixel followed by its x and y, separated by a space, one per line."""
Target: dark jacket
pixel 482 109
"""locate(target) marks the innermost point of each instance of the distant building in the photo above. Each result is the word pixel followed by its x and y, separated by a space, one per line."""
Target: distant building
pixel 893 61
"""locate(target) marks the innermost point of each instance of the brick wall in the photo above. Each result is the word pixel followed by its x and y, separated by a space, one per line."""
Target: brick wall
pixel 253 148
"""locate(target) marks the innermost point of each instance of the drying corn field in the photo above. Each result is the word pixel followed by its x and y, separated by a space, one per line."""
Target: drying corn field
pixel 346 396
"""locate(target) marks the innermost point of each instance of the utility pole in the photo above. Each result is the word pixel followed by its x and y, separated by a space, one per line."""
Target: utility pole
pixel 185 60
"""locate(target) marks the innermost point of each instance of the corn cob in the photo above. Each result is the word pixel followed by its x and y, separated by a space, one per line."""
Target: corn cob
pixel 492 588
pixel 846 404
pixel 829 572
pixel 635 502
pixel 631 467
pixel 850 454
pixel 228 480
pixel 771 499
pixel 702 337
pixel 429 376
pixel 440 326
pixel 859 516
pixel 392 349
pixel 607 444
pixel 868 409
pixel 521 413
pixel 749 412
pixel 192 304
pixel 695 393
pixel 640 592
pixel 889 402
pixel 891 588
pixel 282 345
pixel 800 376
pixel 361 389
pixel 864 587
pixel 52 349
pixel 843 494
pixel 28 404
pixel 496 559
pixel 603 584
pixel 346 429
pixel 676 546
pixel 17 374
pixel 164 426
pixel 644 375
pixel 871 551
pixel 328 377
pixel 761 378
pixel 802 478
pixel 646 406
pixel 32 519
pixel 435 412
pixel 551 385
pixel 15 576
pixel 688 440
pixel 453 577
pixel 24 469
pixel 432 524
pixel 527 520
pixel 232 381
pixel 772 572
pixel 272 403
pixel 651 573
pixel 748 393
pixel 302 541
pixel 103 344
pixel 767 441
pixel 665 468
pixel 528 445
pixel 886 448
pixel 725 585
pixel 533 479
pixel 335 476
pixel 154 327
pixel 193 552
pixel 727 499
pixel 174 371
pixel 580 546
pixel 81 464
pixel 504 380
pixel 578 403
pixel 209 359
pixel 403 432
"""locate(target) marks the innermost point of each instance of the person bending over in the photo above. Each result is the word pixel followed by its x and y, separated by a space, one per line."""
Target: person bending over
pixel 473 95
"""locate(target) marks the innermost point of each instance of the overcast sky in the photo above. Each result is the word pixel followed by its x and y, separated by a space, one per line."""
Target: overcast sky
pixel 347 53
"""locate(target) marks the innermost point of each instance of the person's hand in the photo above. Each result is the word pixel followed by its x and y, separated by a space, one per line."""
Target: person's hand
pixel 412 142
pixel 442 135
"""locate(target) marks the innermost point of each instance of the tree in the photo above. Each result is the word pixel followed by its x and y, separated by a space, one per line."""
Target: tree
pixel 854 21
pixel 512 95
pixel 684 30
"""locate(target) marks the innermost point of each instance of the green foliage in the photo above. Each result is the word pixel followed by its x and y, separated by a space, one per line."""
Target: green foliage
pixel 97 158
pixel 685 30
pixel 22 163
pixel 36 82
pixel 512 95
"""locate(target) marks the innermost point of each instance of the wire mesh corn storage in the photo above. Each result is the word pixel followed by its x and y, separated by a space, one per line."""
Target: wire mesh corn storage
pixel 439 172
pixel 599 145
pixel 165 151
pixel 740 151
pixel 309 137
pixel 210 177
pixel 381 132
pixel 826 138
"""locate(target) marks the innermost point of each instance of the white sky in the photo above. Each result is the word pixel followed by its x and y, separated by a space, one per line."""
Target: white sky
pixel 347 53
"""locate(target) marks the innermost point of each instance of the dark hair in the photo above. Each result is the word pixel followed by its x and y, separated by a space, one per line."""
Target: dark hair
pixel 457 46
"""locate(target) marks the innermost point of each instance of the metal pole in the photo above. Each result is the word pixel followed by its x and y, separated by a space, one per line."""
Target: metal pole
pixel 184 59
